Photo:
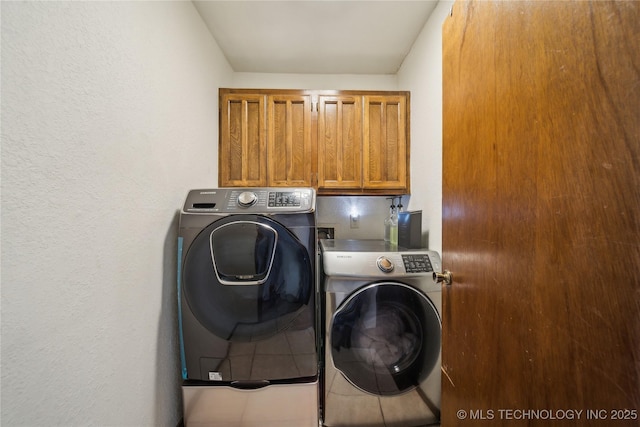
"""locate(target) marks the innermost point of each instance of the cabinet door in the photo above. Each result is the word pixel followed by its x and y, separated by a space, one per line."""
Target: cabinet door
pixel 385 143
pixel 242 151
pixel 290 156
pixel 339 142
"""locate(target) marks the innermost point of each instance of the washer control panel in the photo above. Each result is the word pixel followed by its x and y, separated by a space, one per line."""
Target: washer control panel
pixel 251 200
pixel 284 199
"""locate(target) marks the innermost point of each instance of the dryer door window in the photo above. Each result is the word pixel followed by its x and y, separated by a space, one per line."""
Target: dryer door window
pixel 385 338
pixel 246 277
pixel 242 252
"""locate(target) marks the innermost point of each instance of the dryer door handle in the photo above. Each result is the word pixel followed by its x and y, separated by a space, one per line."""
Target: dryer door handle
pixel 445 277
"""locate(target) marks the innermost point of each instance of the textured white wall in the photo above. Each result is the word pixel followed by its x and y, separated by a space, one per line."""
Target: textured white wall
pixel 421 73
pixel 316 81
pixel 109 116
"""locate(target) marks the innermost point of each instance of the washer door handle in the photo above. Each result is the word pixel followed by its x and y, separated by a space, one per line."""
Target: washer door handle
pixel 445 277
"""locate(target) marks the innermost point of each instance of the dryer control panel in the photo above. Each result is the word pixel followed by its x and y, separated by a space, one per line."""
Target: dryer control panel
pixel 374 259
pixel 417 263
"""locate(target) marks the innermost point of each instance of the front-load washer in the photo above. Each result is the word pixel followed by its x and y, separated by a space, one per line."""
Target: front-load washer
pixel 382 333
pixel 247 307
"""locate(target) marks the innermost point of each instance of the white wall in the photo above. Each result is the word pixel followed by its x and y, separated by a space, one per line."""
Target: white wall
pixel 109 116
pixel 316 81
pixel 421 73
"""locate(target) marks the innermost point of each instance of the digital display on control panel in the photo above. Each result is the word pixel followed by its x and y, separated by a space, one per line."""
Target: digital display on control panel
pixel 417 263
pixel 284 199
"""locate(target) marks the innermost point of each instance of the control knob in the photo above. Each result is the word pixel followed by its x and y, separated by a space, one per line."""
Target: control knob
pixel 384 264
pixel 247 198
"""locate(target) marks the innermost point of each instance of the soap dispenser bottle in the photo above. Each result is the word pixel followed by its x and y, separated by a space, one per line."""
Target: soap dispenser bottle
pixel 393 227
pixel 387 222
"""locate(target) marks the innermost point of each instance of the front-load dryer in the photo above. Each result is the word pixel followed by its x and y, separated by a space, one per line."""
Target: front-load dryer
pixel 382 335
pixel 247 307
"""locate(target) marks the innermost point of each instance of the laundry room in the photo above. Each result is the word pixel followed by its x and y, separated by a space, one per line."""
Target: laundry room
pixel 110 117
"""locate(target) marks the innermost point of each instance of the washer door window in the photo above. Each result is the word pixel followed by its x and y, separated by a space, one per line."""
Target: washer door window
pixel 385 338
pixel 246 277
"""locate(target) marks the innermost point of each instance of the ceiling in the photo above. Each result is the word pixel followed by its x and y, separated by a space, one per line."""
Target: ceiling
pixel 315 37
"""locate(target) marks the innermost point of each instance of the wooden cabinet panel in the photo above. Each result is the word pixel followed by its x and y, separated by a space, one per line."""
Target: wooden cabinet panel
pixel 339 142
pixel 289 149
pixel 242 149
pixel 385 143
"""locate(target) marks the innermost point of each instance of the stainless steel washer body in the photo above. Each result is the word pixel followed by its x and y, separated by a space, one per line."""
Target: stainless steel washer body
pixel 382 329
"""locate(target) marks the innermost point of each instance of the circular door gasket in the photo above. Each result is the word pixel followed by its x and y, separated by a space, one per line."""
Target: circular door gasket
pixel 386 338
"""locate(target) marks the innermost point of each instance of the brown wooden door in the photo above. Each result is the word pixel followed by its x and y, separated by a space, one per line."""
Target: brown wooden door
pixel 290 155
pixel 242 152
pixel 385 143
pixel 541 213
pixel 339 142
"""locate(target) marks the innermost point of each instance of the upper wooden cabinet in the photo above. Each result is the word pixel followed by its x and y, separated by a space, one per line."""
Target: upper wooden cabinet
pixel 289 151
pixel 242 150
pixel 385 142
pixel 339 142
